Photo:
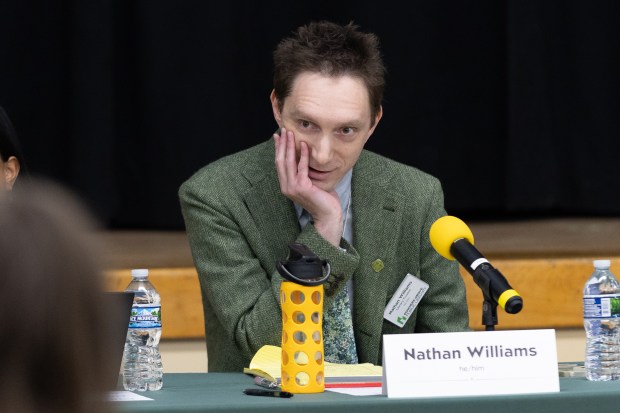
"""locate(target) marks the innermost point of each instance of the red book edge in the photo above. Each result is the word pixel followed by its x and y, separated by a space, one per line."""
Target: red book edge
pixel 352 384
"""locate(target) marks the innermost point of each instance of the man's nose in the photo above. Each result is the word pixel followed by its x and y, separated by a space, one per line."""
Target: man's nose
pixel 322 150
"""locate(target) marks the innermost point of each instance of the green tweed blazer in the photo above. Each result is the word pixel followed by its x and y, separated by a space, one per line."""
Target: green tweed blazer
pixel 239 225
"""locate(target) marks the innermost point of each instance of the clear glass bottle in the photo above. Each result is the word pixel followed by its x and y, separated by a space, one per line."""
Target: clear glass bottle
pixel 601 319
pixel 142 367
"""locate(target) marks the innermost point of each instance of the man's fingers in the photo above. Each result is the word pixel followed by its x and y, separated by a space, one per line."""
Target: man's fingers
pixel 280 144
pixel 292 172
pixel 291 157
pixel 286 161
pixel 304 159
pixel 280 147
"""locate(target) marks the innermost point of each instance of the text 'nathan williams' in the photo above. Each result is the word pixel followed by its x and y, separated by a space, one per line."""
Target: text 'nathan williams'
pixel 488 351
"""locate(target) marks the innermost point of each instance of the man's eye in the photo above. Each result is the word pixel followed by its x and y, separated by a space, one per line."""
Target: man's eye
pixel 348 131
pixel 304 124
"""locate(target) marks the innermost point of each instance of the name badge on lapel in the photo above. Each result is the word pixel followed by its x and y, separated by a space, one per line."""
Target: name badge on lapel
pixel 405 300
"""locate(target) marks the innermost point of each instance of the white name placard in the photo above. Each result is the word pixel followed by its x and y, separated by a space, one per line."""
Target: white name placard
pixel 470 363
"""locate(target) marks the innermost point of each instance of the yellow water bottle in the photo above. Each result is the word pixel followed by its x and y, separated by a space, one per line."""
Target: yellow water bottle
pixel 301 298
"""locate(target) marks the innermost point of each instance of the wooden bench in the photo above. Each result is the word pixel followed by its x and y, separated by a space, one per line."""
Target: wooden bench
pixel 551 291
pixel 547 262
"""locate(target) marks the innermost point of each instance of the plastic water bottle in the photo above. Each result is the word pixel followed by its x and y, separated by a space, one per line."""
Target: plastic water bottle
pixel 601 318
pixel 142 366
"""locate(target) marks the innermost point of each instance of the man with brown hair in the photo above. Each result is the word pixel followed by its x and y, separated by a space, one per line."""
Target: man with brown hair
pixel 313 183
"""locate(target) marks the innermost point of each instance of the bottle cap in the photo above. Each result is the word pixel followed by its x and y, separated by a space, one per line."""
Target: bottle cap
pixel 303 266
pixel 140 273
pixel 602 264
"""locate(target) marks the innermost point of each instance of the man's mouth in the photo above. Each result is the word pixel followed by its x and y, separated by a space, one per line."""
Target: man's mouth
pixel 317 174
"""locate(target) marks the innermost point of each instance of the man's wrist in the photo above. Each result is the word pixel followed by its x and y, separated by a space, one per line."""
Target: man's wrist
pixel 332 233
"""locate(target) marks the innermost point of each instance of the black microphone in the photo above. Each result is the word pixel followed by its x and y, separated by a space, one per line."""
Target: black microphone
pixel 453 239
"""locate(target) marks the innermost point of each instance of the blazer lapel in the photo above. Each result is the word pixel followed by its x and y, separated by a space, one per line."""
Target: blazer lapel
pixel 377 215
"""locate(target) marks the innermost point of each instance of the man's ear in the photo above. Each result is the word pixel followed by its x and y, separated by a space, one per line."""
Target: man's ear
pixel 275 108
pixel 11 170
pixel 377 119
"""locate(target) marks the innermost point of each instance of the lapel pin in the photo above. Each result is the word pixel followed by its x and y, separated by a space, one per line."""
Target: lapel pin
pixel 377 265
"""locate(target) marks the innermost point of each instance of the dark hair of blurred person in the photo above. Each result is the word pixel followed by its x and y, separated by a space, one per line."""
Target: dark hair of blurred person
pixel 11 160
pixel 54 351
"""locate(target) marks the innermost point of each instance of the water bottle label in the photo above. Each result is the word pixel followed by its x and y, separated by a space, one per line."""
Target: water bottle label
pixel 601 306
pixel 145 316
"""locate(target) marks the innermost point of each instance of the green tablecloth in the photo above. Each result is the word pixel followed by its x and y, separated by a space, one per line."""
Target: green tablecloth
pixel 223 392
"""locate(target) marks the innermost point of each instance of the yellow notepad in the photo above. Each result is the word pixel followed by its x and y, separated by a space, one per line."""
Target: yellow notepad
pixel 267 363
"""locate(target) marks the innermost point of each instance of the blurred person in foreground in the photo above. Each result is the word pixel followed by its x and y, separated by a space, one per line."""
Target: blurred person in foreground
pixel 11 161
pixel 313 183
pixel 54 351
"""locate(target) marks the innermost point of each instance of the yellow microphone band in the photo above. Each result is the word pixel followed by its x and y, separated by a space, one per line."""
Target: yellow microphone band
pixel 507 295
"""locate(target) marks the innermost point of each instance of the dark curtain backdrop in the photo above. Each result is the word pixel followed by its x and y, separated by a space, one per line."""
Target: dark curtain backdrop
pixel 513 105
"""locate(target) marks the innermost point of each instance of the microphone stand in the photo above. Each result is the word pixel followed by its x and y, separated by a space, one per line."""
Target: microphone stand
pixel 484 276
pixel 489 313
pixel 489 305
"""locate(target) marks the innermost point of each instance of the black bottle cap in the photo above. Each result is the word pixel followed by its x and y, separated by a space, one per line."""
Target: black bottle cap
pixel 303 266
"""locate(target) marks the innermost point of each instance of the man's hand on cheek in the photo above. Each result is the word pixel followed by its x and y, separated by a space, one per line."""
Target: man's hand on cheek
pixel 298 187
